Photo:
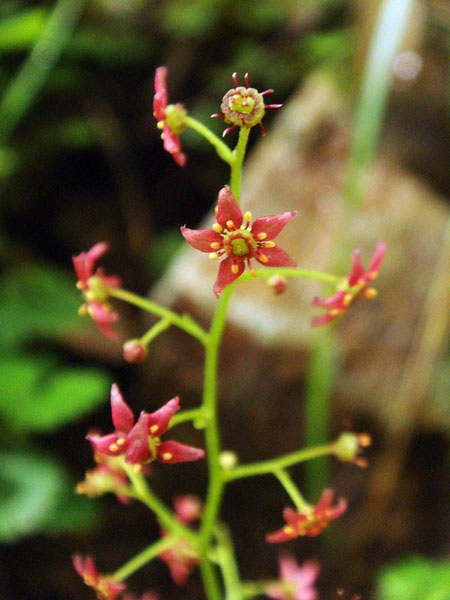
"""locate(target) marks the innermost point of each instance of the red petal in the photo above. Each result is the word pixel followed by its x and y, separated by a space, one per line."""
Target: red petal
pixel 226 275
pixel 178 452
pixel 201 239
pixel 356 270
pixel 160 97
pixel 227 209
pixel 293 517
pixel 325 500
pixel 161 418
pixel 103 319
pixel 377 259
pixel 279 536
pixel 277 257
pixel 102 443
pixel 84 263
pixel 137 442
pixel 122 415
pixel 335 301
pixel 85 567
pixel 272 225
pixel 323 320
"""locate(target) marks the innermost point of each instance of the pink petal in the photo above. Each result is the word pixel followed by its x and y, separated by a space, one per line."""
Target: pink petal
pixel 292 517
pixel 226 275
pixel 160 97
pixel 277 257
pixel 325 500
pixel 335 301
pixel 227 209
pixel 103 443
pixel 323 320
pixel 158 421
pixel 84 263
pixel 138 450
pixel 201 239
pixel 85 567
pixel 279 536
pixel 356 270
pixel 172 144
pixel 103 319
pixel 122 415
pixel 272 225
pixel 179 158
pixel 178 453
pixel 377 259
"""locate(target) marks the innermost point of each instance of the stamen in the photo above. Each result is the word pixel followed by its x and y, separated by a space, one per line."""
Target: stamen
pixel 371 275
pixel 247 216
pixel 253 273
pixel 246 80
pixel 364 440
pixel 113 447
pixel 334 312
pixel 83 310
pixel 288 529
pixel 230 224
pixel 79 285
pixel 370 293
pixel 261 236
pixel 120 441
pixel 215 245
pixel 160 125
pixel 217 227
pixel 235 269
pixel 263 258
pixel 235 79
pixel 213 256
pixel 154 428
pixel 167 456
pixel 347 299
pixel 137 468
pixel 269 244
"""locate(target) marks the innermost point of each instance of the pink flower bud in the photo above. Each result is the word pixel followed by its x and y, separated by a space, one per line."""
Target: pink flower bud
pixel 134 352
pixel 277 284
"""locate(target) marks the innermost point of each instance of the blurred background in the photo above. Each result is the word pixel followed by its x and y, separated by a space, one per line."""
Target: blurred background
pixel 359 149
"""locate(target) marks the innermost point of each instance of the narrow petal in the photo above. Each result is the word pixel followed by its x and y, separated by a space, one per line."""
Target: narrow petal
pixel 104 443
pixel 322 320
pixel 335 301
pixel 325 500
pixel 201 239
pixel 84 263
pixel 356 270
pixel 103 319
pixel 376 261
pixel 279 536
pixel 179 158
pixel 138 451
pixel 292 517
pixel 174 452
pixel 85 567
pixel 122 415
pixel 276 257
pixel 227 209
pixel 160 97
pixel 226 275
pixel 158 421
pixel 272 225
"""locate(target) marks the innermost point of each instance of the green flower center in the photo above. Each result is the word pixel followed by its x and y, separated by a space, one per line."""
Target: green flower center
pixel 242 104
pixel 240 247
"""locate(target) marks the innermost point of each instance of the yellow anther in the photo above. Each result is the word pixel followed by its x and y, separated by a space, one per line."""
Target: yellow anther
pixel 137 468
pixel 372 275
pixel 370 293
pixel 79 285
pixel 83 310
pixel 160 125
pixel 213 256
pixel 162 136
pixel 288 529
pixel 217 227
pixel 215 245
pixel 347 299
pixel 235 269
pixel 120 441
pixel 364 440
pixel 113 447
pixel 253 273
pixel 334 312
pixel 261 236
pixel 247 216
pixel 263 258
pixel 154 428
pixel 167 456
pixel 269 244
pixel 230 224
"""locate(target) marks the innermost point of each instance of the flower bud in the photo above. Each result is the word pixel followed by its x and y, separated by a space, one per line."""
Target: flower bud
pixel 228 460
pixel 277 284
pixel 349 445
pixel 134 352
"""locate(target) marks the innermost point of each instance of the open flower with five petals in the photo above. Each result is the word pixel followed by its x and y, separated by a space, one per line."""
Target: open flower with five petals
pixel 309 523
pixel 140 442
pixel 105 587
pixel 170 117
pixel 356 284
pixel 234 238
pixel 295 583
pixel 95 286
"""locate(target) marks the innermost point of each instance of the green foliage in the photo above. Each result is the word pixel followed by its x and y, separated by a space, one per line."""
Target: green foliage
pixel 415 578
pixel 162 249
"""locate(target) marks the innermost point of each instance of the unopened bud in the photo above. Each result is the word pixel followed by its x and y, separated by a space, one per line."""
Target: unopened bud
pixel 134 352
pixel 277 284
pixel 228 460
pixel 348 446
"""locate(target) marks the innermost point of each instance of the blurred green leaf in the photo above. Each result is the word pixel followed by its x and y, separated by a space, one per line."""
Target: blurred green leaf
pixel 415 578
pixel 19 31
pixel 30 486
pixel 38 395
pixel 73 513
pixel 162 249
pixel 192 19
pixel 37 301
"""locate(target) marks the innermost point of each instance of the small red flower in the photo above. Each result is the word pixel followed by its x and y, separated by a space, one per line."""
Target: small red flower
pixel 357 284
pixel 240 243
pixel 95 285
pixel 244 106
pixel 107 476
pixel 139 442
pixel 296 583
pixel 309 523
pixel 106 588
pixel 170 117
pixel 181 558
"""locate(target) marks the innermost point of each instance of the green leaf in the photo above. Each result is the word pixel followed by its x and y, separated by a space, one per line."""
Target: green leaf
pixel 39 395
pixel 30 487
pixel 415 578
pixel 73 513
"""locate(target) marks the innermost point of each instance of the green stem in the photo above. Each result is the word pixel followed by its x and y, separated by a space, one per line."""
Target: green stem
pixel 24 88
pixel 227 560
pixel 221 148
pixel 209 578
pixel 194 414
pixel 154 331
pixel 236 164
pixel 281 462
pixel 144 557
pixel 286 481
pixel 184 322
pixel 292 272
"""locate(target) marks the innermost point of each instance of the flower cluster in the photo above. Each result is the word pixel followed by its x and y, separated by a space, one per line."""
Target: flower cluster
pixel 95 286
pixel 233 236
pixel 356 284
pixel 308 523
pixel 105 587
pixel 140 442
pixel 170 117
pixel 295 583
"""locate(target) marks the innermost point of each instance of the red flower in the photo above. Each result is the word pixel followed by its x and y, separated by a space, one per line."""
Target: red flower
pixel 296 583
pixel 139 442
pixel 244 107
pixel 106 588
pixel 356 285
pixel 181 558
pixel 170 117
pixel 95 287
pixel 310 523
pixel 240 243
